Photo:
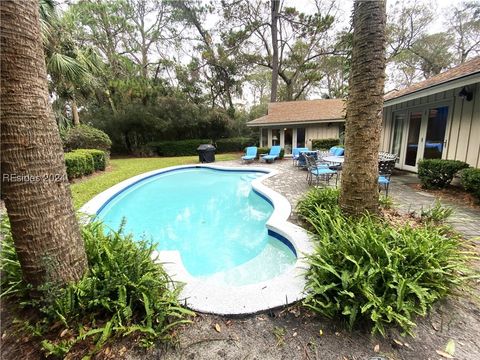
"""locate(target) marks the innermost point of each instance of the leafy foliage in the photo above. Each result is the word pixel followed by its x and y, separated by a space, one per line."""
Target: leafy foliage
pixel 437 173
pixel 83 162
pixel 470 179
pixel 436 214
pixel 366 271
pixel 124 291
pixel 86 137
pixel 233 144
pixel 324 144
pixel 177 148
pixel 135 125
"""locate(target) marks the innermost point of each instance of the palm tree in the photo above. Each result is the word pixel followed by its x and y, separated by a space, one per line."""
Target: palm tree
pixel 73 69
pixel 359 192
pixel 34 184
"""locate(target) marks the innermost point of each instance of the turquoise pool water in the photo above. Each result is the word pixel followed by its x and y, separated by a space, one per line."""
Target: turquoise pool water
pixel 213 218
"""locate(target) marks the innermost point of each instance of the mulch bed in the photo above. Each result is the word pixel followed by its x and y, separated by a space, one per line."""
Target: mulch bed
pixel 453 193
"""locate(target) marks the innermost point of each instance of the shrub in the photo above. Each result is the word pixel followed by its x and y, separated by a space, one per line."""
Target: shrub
pixel 437 173
pixel 83 162
pixel 99 157
pixel 78 165
pixel 436 214
pixel 470 179
pixel 124 291
pixel 326 199
pixel 177 148
pixel 324 144
pixel 364 270
pixel 86 137
pixel 233 144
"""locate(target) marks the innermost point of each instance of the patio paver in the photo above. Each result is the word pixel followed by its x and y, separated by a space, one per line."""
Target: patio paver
pixel 291 183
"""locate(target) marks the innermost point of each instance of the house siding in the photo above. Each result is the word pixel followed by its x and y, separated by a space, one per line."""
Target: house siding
pixel 463 126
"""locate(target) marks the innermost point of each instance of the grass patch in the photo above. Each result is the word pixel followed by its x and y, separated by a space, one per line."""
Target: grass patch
pixel 122 169
pixel 367 271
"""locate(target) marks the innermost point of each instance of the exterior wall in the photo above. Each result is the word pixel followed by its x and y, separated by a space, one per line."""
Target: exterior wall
pixel 322 131
pixel 463 125
pixel 312 132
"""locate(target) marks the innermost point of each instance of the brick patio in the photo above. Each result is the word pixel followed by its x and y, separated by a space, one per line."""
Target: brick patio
pixel 291 182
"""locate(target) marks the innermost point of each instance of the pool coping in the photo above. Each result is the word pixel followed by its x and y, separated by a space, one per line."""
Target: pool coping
pixel 209 297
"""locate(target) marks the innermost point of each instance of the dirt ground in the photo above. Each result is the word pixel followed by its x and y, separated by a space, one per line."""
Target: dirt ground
pixel 291 333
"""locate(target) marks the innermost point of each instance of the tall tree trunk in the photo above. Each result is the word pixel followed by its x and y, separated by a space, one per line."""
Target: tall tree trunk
pixel 359 192
pixel 75 116
pixel 37 194
pixel 275 4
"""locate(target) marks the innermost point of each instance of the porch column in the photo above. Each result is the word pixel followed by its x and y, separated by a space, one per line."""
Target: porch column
pixel 269 137
pixel 294 138
pixel 282 138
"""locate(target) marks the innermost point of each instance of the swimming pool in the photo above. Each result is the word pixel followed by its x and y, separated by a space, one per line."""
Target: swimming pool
pixel 219 230
pixel 212 217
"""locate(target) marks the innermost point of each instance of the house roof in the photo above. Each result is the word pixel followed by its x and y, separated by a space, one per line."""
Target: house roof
pixel 460 71
pixel 304 111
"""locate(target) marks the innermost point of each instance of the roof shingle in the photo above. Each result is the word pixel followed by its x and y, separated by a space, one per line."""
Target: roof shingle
pixel 465 69
pixel 302 111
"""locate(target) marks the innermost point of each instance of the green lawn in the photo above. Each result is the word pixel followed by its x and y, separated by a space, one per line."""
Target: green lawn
pixel 121 169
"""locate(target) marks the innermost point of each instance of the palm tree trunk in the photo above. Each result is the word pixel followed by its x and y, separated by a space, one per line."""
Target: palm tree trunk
pixel 359 192
pixel 36 191
pixel 75 116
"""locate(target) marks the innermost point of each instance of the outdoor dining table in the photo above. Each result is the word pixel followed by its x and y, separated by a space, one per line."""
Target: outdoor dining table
pixel 334 159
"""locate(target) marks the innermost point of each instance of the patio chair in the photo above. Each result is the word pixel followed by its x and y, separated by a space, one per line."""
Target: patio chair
pixel 250 154
pixel 319 170
pixel 385 169
pixel 296 154
pixel 386 156
pixel 273 154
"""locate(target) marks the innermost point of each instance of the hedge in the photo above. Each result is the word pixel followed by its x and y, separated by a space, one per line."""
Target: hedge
pixel 86 137
pixel 324 144
pixel 83 162
pixel 177 148
pixel 234 144
pixel 100 158
pixel 189 147
pixel 470 180
pixel 437 173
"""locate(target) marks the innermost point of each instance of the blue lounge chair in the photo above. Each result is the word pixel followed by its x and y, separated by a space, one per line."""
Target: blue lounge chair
pixel 296 154
pixel 336 151
pixel 273 154
pixel 250 154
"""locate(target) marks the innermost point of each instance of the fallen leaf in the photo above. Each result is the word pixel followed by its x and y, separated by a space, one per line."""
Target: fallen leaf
pixel 376 348
pixel 337 333
pixel 444 354
pixel 107 351
pixel 398 342
pixel 407 345
pixel 261 318
pixel 123 350
pixel 294 334
pixel 218 328
pixel 63 333
pixel 450 348
pixel 228 322
pixel 4 335
pixel 321 332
